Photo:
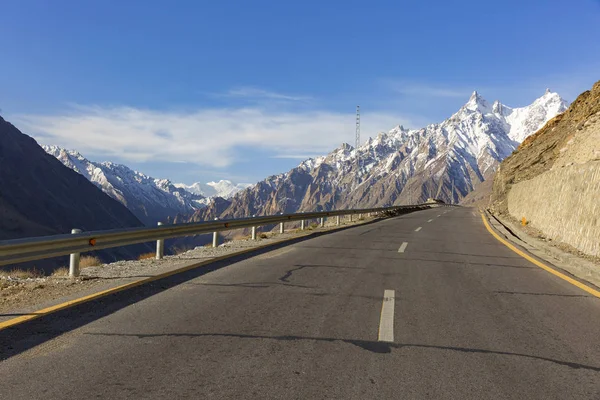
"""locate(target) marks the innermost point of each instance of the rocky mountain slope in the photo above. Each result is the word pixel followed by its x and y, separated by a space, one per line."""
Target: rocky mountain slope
pixel 40 196
pixel 148 198
pixel 446 160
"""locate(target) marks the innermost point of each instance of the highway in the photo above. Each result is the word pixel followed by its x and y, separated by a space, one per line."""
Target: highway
pixel 427 305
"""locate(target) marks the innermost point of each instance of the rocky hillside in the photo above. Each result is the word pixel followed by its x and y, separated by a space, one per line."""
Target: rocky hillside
pixel 446 160
pixel 40 196
pixel 553 179
pixel 150 199
pixel 566 139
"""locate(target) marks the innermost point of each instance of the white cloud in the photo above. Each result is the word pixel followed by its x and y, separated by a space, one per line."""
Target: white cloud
pixel 207 137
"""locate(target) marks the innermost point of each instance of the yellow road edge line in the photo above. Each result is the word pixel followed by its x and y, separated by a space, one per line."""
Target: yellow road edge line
pixel 93 296
pixel 539 264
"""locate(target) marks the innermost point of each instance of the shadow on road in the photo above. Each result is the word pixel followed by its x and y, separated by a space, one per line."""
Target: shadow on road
pixel 372 346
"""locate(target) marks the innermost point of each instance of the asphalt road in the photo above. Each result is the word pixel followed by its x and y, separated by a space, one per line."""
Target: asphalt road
pixel 463 318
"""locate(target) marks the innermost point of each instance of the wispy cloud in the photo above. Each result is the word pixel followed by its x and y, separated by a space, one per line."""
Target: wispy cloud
pixel 254 93
pixel 417 89
pixel 297 156
pixel 209 137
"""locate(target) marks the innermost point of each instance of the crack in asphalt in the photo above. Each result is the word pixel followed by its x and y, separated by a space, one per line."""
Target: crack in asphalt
pixel 288 274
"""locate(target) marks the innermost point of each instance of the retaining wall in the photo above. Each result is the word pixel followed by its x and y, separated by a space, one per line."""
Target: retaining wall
pixel 564 203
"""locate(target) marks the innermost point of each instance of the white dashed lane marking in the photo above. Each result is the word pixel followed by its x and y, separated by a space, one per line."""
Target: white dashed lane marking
pixel 386 321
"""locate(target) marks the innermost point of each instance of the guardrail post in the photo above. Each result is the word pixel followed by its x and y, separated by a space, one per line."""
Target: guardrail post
pixel 254 229
pixel 215 236
pixel 74 259
pixel 322 222
pixel 281 228
pixel 160 246
pixel 302 225
pixel 337 220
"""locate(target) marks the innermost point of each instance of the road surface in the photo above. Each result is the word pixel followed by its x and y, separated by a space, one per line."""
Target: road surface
pixel 423 306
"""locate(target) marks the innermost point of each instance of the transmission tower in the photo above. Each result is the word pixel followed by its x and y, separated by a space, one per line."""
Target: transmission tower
pixel 357 143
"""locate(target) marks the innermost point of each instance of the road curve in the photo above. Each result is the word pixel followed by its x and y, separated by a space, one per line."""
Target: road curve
pixel 423 306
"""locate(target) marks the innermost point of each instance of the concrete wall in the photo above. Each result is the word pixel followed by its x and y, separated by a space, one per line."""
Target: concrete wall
pixel 564 203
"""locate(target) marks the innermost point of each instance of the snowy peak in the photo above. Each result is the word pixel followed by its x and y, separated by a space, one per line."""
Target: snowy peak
pixel 497 108
pixel 223 188
pixel 227 189
pixel 527 120
pixel 477 103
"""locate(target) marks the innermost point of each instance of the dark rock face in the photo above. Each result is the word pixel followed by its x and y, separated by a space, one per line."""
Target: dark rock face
pixel 40 196
pixel 217 206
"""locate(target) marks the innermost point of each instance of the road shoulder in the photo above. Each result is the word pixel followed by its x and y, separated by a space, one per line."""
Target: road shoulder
pixel 584 271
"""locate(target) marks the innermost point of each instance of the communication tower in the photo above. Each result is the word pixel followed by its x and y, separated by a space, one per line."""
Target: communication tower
pixel 357 143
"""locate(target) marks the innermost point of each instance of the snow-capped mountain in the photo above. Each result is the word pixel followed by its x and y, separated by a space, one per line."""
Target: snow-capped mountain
pixel 149 199
pixel 224 188
pixel 445 160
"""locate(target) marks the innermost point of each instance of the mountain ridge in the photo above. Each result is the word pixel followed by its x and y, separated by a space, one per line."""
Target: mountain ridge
pixel 445 160
pixel 150 199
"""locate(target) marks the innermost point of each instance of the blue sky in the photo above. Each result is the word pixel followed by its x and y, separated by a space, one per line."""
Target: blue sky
pixel 204 90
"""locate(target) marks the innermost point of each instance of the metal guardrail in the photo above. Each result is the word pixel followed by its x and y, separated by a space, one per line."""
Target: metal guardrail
pixel 36 248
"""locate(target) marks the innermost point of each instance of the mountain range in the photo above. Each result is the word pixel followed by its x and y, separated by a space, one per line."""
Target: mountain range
pixel 41 196
pixel 150 199
pixel 446 160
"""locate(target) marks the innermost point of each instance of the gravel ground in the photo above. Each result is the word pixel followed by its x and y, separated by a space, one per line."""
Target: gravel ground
pixel 22 295
pixel 563 256
pixel 539 235
pixel 19 293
